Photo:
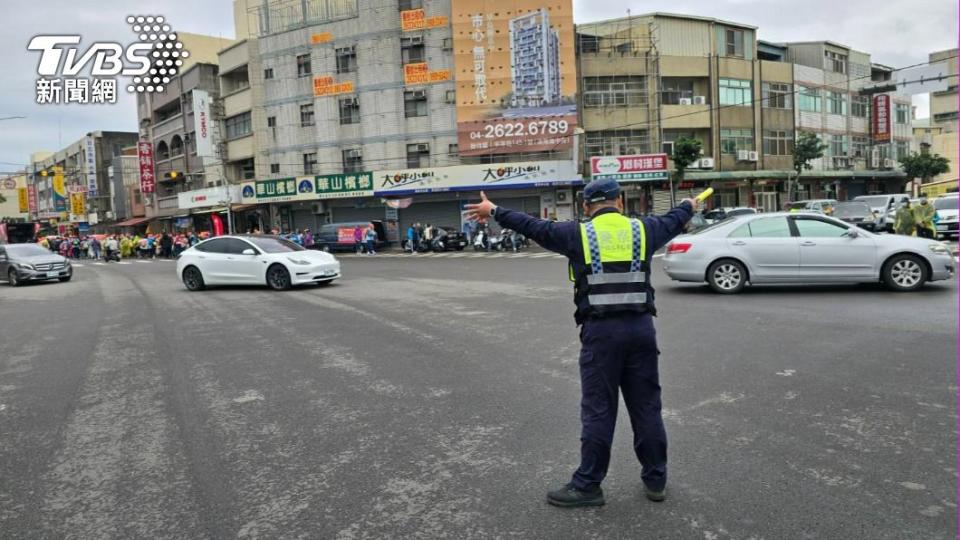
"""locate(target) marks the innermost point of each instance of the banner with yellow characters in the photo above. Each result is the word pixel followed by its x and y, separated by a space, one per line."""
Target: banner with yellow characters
pixel 515 77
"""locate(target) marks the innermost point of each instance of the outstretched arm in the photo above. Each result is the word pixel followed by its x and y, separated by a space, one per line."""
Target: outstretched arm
pixel 557 237
pixel 662 229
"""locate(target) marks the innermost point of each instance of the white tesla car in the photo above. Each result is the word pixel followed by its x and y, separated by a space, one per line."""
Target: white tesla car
pixel 254 260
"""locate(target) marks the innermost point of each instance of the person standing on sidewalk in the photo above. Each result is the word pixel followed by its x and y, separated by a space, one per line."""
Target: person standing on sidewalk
pixel 371 236
pixel 609 264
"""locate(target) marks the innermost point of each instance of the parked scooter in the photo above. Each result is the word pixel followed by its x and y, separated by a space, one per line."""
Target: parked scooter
pixel 495 242
pixel 111 255
pixel 481 240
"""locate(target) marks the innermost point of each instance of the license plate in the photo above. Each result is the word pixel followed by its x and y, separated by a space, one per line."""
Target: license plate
pixel 53 274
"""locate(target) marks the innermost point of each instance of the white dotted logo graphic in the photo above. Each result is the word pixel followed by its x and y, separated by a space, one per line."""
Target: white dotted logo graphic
pixel 167 54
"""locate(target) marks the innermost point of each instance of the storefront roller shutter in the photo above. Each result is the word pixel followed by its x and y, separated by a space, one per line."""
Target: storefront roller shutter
pixel 374 213
pixel 527 205
pixel 445 213
pixel 304 219
pixel 661 201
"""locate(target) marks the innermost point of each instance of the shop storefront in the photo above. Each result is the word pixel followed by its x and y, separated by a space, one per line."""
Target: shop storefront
pixel 303 202
pixel 208 210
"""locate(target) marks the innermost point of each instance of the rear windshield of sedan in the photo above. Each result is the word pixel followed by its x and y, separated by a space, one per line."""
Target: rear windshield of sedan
pixel 26 250
pixel 851 209
pixel 712 226
pixel 274 245
pixel 946 203
pixel 875 201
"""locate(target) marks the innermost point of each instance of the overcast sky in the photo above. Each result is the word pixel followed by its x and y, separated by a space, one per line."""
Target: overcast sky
pixel 895 33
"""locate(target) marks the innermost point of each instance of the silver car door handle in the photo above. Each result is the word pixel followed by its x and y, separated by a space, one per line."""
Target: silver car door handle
pixel 808 243
pixel 739 243
pixel 201 257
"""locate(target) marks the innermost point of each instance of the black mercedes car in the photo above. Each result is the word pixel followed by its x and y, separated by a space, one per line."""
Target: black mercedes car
pixel 20 263
pixel 448 238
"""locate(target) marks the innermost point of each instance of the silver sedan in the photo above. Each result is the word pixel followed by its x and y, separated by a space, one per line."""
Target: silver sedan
pixel 803 248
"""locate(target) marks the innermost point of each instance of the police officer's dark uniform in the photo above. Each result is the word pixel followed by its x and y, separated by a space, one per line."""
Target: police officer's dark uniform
pixel 610 267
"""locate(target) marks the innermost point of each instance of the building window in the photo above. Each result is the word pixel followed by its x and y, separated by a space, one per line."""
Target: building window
pixel 176 146
pixel 163 152
pixel 415 103
pixel 349 111
pixel 274 168
pixel 237 126
pixel 838 146
pixel 310 163
pixel 835 62
pixel 453 150
pixel 616 91
pixel 903 149
pixel 303 65
pixel 352 160
pixel 671 136
pixel 271 121
pixel 418 155
pixel 778 142
pixel 588 43
pixel 346 59
pixel 836 103
pixel 860 106
pixel 410 4
pixel 777 95
pixel 860 145
pixel 732 140
pixel 902 111
pixel 268 73
pixel 247 171
pixel 734 42
pixel 411 50
pixel 675 89
pixel 451 97
pixel 735 92
pixel 809 99
pixel 306 115
pixel 617 142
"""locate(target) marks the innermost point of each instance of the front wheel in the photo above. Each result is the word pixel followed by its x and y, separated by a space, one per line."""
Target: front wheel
pixel 12 279
pixel 193 279
pixel 727 276
pixel 278 278
pixel 904 273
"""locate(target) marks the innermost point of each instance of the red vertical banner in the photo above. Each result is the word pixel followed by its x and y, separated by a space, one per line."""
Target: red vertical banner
pixel 881 118
pixel 32 199
pixel 217 224
pixel 148 181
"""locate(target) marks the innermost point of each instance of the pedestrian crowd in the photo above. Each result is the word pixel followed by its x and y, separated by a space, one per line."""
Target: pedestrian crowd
pixel 147 246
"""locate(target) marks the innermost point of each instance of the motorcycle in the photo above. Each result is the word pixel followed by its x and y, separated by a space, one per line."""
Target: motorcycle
pixel 111 255
pixel 480 241
pixel 496 242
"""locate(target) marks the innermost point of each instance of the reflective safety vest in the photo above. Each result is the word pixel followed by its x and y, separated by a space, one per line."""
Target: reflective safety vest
pixel 616 274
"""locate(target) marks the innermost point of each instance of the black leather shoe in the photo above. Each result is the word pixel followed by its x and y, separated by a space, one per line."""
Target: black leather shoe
pixel 656 496
pixel 570 496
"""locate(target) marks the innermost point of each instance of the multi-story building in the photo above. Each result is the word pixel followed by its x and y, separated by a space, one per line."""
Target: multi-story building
pixel 81 167
pixel 342 98
pixel 128 204
pixel 535 60
pixel 943 105
pixel 10 186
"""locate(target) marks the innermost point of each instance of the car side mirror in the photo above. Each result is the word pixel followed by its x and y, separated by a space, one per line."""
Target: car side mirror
pixel 851 233
pixel 248 251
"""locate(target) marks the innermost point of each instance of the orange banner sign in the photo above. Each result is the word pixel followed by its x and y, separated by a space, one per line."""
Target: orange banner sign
pixel 326 86
pixel 419 73
pixel 322 37
pixel 416 19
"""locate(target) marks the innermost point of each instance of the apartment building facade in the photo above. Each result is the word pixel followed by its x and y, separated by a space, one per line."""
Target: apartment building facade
pixel 73 184
pixel 944 118
pixel 361 99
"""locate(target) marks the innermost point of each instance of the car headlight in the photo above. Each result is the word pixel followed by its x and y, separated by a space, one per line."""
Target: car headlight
pixel 298 261
pixel 939 248
pixel 27 266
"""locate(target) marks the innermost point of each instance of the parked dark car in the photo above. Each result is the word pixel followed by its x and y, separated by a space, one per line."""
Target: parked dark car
pixel 855 213
pixel 448 238
pixel 339 236
pixel 20 263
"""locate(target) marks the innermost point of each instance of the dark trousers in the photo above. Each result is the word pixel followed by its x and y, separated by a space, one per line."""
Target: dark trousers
pixel 620 354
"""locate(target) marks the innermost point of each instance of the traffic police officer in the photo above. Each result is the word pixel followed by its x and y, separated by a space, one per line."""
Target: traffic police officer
pixel 610 267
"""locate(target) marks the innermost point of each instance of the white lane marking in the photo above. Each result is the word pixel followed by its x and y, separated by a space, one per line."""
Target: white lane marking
pixel 541 255
pixel 787 372
pixel 143 262
pixel 3 407
pixel 124 263
pixel 248 396
pixel 99 264
pixel 75 265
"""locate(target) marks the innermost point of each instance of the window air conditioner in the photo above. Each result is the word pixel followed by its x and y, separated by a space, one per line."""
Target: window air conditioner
pixel 875 158
pixel 417 94
pixel 353 153
pixel 743 155
pixel 699 100
pixel 888 164
pixel 705 163
pixel 753 156
pixel 423 148
pixel 686 101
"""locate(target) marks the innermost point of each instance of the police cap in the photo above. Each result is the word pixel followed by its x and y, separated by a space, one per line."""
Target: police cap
pixel 603 189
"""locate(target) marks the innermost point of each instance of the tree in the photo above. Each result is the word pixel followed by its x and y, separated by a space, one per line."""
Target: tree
pixel 806 148
pixel 685 152
pixel 924 166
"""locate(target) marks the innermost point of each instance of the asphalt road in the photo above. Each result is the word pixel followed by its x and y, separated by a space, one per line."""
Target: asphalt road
pixel 437 397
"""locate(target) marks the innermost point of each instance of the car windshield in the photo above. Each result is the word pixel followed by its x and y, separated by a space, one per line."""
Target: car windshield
pixel 850 209
pixel 741 211
pixel 712 226
pixel 274 245
pixel 946 203
pixel 874 201
pixel 26 250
